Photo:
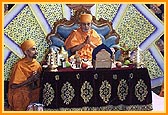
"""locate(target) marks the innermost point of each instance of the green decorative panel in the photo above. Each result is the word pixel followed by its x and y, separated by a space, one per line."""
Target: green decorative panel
pixel 134 27
pixel 52 12
pixel 9 65
pixel 150 63
pixel 106 11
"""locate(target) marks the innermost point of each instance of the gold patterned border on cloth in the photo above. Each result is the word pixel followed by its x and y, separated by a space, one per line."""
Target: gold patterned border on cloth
pixel 121 107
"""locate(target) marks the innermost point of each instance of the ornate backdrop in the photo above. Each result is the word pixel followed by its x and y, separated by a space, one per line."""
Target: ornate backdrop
pixel 136 24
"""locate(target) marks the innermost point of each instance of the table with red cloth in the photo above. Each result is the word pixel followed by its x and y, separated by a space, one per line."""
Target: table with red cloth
pixel 117 89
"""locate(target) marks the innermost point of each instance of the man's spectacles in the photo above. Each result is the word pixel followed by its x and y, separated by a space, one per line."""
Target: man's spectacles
pixel 86 24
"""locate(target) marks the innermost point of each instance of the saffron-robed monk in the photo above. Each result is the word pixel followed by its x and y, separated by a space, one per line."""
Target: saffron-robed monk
pixel 24 81
pixel 83 39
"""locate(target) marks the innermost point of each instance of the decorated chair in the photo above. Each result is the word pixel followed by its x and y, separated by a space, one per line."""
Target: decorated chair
pixel 62 28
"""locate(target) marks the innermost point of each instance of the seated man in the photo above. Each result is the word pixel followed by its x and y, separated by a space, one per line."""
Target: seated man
pixel 24 81
pixel 83 40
